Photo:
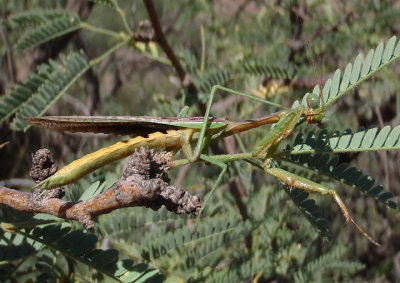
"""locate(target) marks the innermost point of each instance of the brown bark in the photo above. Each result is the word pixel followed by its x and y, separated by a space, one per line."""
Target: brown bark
pixel 141 184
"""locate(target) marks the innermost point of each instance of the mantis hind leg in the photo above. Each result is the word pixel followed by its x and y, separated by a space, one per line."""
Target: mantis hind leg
pixel 295 181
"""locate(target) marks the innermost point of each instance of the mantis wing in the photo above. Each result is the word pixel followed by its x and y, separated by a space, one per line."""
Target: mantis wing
pixel 119 125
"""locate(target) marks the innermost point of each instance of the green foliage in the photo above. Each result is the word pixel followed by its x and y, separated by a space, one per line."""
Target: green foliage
pixel 77 245
pixel 276 252
pixel 354 74
pixel 39 17
pixel 261 67
pixel 221 76
pixel 211 78
pixel 328 265
pixel 327 165
pixel 16 97
pixel 209 235
pixel 308 207
pixel 53 80
pixel 48 31
pixel 362 140
pixel 273 237
pixel 321 143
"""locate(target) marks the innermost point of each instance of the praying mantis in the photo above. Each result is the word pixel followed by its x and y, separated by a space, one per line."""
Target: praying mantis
pixel 174 133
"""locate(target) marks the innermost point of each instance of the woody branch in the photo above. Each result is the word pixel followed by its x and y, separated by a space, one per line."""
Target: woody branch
pixel 143 183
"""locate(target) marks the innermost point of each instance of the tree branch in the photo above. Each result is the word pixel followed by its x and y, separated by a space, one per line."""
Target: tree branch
pixel 183 75
pixel 141 184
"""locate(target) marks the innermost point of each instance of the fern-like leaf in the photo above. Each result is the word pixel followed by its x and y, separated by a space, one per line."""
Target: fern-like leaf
pixel 332 261
pixel 351 176
pixel 38 17
pixel 79 245
pixel 308 207
pixel 218 76
pixel 15 246
pixel 61 78
pixel 362 140
pixel 20 93
pixel 312 212
pixel 123 221
pixel 211 78
pixel 262 67
pixel 48 31
pixel 209 236
pixel 356 73
pixel 238 271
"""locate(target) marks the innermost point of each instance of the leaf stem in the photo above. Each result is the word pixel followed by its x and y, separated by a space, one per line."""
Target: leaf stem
pixel 123 17
pixel 97 60
pixel 111 33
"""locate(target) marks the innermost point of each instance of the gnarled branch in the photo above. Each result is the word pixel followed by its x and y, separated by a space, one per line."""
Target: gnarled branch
pixel 143 183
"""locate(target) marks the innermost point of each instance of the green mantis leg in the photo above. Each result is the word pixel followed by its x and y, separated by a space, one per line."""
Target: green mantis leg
pixel 202 137
pixel 224 167
pixel 200 141
pixel 295 181
pixel 186 148
pixel 281 131
pixel 285 126
pixel 187 151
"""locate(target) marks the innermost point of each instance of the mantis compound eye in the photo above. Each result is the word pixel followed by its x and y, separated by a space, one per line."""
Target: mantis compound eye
pixel 313 100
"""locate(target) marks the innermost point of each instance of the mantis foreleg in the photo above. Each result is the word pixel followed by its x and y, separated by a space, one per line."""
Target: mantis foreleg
pixel 281 130
pixel 200 141
pixel 295 181
pixel 201 138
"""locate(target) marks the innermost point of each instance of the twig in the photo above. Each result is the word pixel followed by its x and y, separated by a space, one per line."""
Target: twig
pixel 141 184
pixel 183 75
pixel 10 57
pixel 297 19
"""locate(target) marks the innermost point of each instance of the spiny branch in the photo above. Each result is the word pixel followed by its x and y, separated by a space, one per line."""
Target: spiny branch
pixel 143 183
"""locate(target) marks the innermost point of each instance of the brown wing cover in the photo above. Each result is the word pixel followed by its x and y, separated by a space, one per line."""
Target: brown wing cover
pixel 118 125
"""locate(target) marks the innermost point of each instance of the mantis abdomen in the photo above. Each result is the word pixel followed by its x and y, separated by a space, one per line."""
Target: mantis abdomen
pixel 90 162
